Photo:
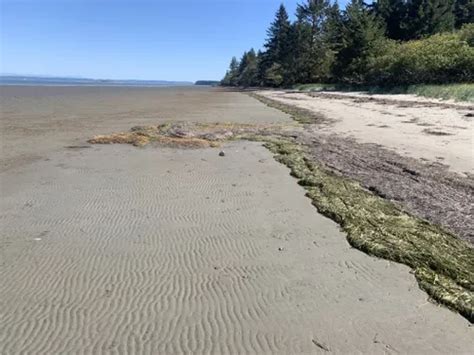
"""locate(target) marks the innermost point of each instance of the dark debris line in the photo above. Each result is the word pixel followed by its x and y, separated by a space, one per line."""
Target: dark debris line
pixel 430 192
pixel 389 206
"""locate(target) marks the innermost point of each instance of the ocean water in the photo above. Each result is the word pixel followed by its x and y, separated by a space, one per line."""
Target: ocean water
pixel 53 81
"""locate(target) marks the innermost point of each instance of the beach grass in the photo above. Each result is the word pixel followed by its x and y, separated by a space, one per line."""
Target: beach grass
pixel 457 92
pixel 314 87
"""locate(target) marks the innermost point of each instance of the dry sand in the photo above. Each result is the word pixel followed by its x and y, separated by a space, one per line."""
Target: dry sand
pixel 396 98
pixel 116 249
pixel 416 129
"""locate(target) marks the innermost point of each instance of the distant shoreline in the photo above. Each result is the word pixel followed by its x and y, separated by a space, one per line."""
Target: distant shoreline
pixel 96 85
pixel 58 81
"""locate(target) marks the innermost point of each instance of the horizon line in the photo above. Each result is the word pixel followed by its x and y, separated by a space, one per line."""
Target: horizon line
pixel 48 76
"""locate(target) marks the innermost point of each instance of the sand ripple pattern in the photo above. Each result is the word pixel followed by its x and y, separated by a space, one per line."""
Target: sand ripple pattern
pixel 142 251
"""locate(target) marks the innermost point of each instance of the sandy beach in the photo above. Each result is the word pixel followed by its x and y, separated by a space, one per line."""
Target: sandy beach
pixel 119 249
pixel 426 129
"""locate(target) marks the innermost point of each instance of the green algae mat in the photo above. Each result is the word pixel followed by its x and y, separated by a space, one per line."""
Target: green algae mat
pixel 442 263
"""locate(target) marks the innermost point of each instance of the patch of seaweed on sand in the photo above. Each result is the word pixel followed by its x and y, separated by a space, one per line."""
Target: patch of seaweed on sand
pixel 184 134
pixel 442 263
pixel 300 115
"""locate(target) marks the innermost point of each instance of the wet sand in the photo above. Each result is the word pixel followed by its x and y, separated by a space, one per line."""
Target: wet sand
pixel 151 250
pixel 39 120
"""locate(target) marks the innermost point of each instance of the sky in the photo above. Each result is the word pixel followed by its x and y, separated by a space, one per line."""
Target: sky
pixel 182 40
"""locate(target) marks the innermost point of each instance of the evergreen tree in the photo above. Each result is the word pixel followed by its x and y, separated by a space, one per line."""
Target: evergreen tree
pixel 260 77
pixel 325 44
pixel 248 69
pixel 313 50
pixel 333 27
pixel 333 36
pixel 242 65
pixel 361 33
pixel 313 12
pixel 463 12
pixel 427 17
pixel 393 13
pixel 232 76
pixel 275 75
pixel 278 43
pixel 302 62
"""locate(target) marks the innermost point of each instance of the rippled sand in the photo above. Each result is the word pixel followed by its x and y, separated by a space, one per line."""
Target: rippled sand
pixel 116 249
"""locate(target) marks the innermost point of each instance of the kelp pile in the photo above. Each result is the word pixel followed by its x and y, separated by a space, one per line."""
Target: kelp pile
pixel 298 114
pixel 185 134
pixel 443 264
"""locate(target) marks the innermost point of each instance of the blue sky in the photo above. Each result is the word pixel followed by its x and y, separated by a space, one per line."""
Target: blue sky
pixel 131 39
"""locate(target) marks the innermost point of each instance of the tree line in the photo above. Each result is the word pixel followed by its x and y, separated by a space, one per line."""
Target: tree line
pixel 388 42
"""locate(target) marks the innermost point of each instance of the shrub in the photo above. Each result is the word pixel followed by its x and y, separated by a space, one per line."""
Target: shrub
pixel 274 75
pixel 466 34
pixel 441 58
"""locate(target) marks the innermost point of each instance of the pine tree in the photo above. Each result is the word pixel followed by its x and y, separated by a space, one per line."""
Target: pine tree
pixel 393 13
pixel 427 17
pixel 302 62
pixel 463 12
pixel 232 75
pixel 248 69
pixel 361 33
pixel 260 77
pixel 313 12
pixel 312 48
pixel 242 65
pixel 278 43
pixel 275 75
pixel 333 27
pixel 333 36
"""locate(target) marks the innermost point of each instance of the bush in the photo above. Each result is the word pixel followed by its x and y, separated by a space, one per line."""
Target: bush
pixel 466 34
pixel 274 75
pixel 441 58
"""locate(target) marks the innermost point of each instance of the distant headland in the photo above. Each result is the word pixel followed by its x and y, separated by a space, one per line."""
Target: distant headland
pixel 207 82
